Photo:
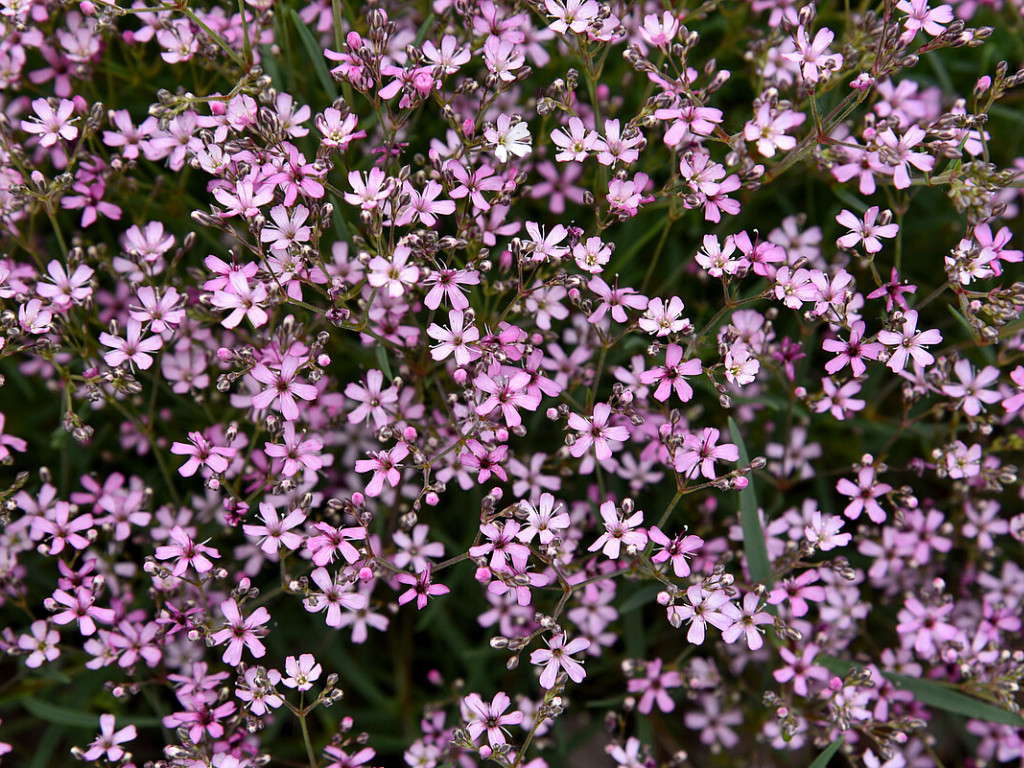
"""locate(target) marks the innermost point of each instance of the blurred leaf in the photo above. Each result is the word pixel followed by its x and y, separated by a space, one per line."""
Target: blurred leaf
pixel 382 360
pixel 821 761
pixel 753 535
pixel 640 598
pixel 54 713
pixel 950 699
pixel 42 750
pixel 421 33
pixel 316 56
pixel 934 694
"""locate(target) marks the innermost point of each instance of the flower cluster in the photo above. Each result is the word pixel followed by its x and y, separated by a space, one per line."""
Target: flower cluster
pixel 468 331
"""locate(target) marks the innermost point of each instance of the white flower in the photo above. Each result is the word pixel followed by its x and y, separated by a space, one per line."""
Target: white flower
pixel 508 139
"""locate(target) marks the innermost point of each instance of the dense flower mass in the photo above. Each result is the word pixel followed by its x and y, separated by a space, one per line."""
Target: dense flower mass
pixel 447 383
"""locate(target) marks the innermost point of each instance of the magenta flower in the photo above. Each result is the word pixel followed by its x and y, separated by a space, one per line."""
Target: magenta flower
pixel 79 607
pixel 384 465
pixel 187 553
pixel 283 386
pixel 669 377
pixel 241 632
pixel 699 453
pixel 421 589
pixel 202 453
pixel 490 717
pixel 675 550
pixel 335 594
pixel 297 453
pixel 595 431
pixel 558 657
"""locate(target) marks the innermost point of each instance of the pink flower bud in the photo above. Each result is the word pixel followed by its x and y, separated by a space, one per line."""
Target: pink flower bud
pixel 483 574
pixel 460 376
pixel 409 434
pixel 365 575
pixel 468 127
pixel 740 483
pixel 423 83
pixel 432 499
pixel 353 40
pixel 358 499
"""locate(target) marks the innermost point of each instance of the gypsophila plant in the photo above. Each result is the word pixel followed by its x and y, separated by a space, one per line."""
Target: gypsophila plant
pixel 534 383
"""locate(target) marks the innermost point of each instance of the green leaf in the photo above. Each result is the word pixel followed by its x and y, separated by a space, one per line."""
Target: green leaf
pixel 934 694
pixel 382 360
pixel 54 713
pixel 946 697
pixel 753 535
pixel 421 33
pixel 316 56
pixel 821 761
pixel 641 597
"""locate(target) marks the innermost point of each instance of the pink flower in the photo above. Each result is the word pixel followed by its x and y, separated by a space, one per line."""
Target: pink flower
pixel 653 687
pixel 202 453
pixel 675 550
pixel 384 465
pixel 275 533
pixel 866 231
pixel 334 595
pixel 490 717
pixel 302 672
pixel 52 124
pixel 864 494
pixel 187 553
pixel 594 431
pixel 283 387
pixel 746 622
pixel 421 589
pixel 669 377
pixel 133 349
pixel 699 452
pixel 241 632
pixel 909 343
pixel 702 608
pixel 107 744
pixel 558 657
pixel 618 531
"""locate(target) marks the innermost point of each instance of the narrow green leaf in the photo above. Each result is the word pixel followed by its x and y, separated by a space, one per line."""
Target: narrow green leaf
pixel 821 761
pixel 382 360
pixel 935 694
pixel 641 597
pixel 43 750
pixel 421 33
pixel 941 696
pixel 316 55
pixel 54 713
pixel 753 535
